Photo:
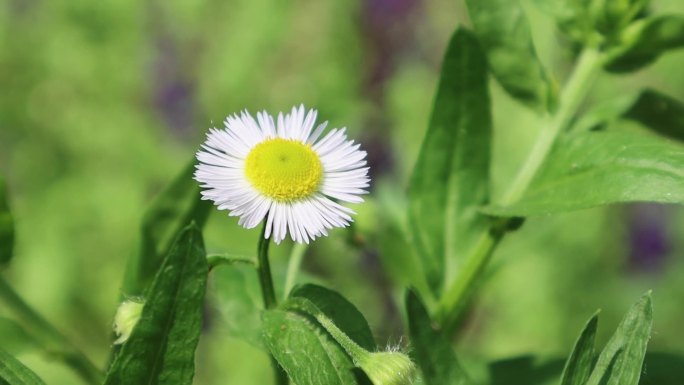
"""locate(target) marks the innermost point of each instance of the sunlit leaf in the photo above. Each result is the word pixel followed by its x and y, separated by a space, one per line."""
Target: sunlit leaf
pixel 169 213
pixel 599 168
pixel 13 372
pixel 504 32
pixel 621 360
pixel 431 349
pixel 581 361
pixel 6 226
pixel 451 177
pixel 647 40
pixel 161 348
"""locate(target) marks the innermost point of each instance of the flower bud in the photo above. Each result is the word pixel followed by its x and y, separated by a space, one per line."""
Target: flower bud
pixel 388 368
pixel 127 316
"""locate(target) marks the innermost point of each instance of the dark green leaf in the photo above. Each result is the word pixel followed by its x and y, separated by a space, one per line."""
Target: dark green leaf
pixel 6 226
pixel 431 349
pixel 162 346
pixel 663 369
pixel 621 360
pixel 598 168
pixel 451 176
pixel 176 206
pixel 662 113
pixel 504 33
pixel 645 41
pixel 524 370
pixel 342 312
pixel 13 372
pixel 572 17
pixel 14 339
pixel 579 364
pixel 305 350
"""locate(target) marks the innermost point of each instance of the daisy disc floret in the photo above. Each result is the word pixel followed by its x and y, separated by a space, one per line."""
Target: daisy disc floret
pixel 283 172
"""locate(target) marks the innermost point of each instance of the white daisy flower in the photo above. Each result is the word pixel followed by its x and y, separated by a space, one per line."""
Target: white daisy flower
pixel 284 172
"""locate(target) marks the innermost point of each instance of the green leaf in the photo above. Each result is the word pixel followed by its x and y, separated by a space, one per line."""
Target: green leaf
pixel 161 347
pixel 305 350
pixel 235 290
pixel 621 360
pixel 572 17
pixel 451 177
pixel 524 370
pixel 13 372
pixel 342 312
pixel 431 350
pixel 14 337
pixel 659 369
pixel 599 168
pixel 645 41
pixel 504 33
pixel 581 361
pixel 6 226
pixel 659 112
pixel 176 206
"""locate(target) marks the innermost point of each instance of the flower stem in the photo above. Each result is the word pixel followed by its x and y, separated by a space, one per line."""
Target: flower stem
pixel 51 339
pixel 266 282
pixel 457 294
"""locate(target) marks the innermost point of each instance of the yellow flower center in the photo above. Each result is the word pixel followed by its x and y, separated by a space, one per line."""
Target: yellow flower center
pixel 282 169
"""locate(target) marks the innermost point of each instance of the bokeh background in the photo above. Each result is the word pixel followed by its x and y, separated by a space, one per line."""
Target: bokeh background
pixel 102 103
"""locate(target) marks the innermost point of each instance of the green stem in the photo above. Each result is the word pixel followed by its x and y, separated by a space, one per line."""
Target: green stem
pixel 214 260
pixel 266 282
pixel 53 341
pixel 457 294
pixel 293 266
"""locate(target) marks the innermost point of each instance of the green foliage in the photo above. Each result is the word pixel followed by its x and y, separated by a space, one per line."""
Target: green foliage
pixel 504 33
pixel 598 168
pixel 523 370
pixel 645 41
pixel 451 177
pixel 6 226
pixel 175 207
pixel 307 353
pixel 431 349
pixel 161 348
pixel 621 360
pixel 578 366
pixel 659 112
pixel 14 337
pixel 13 372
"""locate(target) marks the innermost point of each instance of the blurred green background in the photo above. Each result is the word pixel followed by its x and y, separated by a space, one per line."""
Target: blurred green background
pixel 102 103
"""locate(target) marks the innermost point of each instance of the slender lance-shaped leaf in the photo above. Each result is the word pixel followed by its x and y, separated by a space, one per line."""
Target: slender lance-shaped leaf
pixel 6 226
pixel 340 311
pixel 431 350
pixel 161 347
pixel 451 177
pixel 621 360
pixel 14 338
pixel 646 41
pixel 309 355
pixel 13 372
pixel 661 113
pixel 504 33
pixel 175 207
pixel 599 168
pixel 579 364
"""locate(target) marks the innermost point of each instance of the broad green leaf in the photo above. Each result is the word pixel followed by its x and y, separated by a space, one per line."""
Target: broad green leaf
pixel 175 207
pixel 525 370
pixel 14 338
pixel 603 114
pixel 13 372
pixel 621 360
pixel 451 177
pixel 161 348
pixel 6 226
pixel 504 33
pixel 305 350
pixel 431 350
pixel 599 168
pixel 659 112
pixel 235 290
pixel 645 41
pixel 579 364
pixel 342 312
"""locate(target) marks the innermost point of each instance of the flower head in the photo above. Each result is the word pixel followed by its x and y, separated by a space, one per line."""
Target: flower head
pixel 283 171
pixel 127 316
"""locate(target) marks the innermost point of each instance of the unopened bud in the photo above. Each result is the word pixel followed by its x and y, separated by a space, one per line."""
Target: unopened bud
pixel 388 368
pixel 127 316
